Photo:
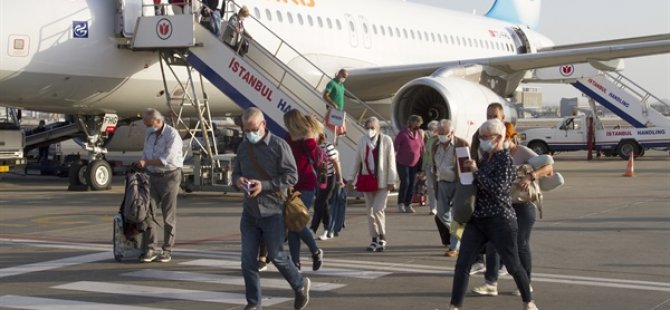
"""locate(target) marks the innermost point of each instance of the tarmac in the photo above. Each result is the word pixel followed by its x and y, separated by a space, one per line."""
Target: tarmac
pixel 603 243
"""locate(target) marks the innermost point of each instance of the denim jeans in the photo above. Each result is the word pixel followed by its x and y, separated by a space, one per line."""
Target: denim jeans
pixel 271 230
pixel 525 218
pixel 407 177
pixel 502 233
pixel 322 205
pixel 216 23
pixel 305 235
pixel 338 208
pixel 445 194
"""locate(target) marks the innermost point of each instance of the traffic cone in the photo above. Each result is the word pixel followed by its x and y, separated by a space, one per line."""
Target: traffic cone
pixel 630 171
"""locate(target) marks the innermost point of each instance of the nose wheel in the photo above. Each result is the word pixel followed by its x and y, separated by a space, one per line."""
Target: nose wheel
pixel 96 175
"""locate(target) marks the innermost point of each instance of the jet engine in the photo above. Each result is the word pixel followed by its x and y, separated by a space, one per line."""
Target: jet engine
pixel 439 97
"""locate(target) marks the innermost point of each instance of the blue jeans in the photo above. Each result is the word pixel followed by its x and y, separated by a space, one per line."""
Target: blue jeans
pixel 502 233
pixel 216 23
pixel 445 196
pixel 305 235
pixel 407 177
pixel 525 218
pixel 271 230
pixel 338 207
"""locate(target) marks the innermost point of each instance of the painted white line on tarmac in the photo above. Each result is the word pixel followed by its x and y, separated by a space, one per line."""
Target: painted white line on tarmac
pixel 603 284
pixel 37 303
pixel 324 271
pixel 54 264
pixel 165 293
pixel 223 279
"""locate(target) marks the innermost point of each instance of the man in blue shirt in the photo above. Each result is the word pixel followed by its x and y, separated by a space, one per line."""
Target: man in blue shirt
pixel 163 160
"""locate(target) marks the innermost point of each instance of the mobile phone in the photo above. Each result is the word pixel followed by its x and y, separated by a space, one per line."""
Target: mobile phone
pixel 463 154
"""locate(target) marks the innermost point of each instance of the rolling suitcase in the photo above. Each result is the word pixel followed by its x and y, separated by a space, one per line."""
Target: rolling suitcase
pixel 124 247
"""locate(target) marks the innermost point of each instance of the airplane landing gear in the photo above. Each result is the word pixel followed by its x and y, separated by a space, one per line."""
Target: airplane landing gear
pixel 96 173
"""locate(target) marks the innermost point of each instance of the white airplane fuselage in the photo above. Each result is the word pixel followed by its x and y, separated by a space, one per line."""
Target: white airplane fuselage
pixel 47 65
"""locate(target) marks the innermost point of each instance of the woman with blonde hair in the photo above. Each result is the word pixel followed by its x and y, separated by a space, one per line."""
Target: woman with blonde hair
pixel 303 132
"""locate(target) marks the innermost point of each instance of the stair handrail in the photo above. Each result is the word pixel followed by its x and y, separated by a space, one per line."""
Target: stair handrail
pixel 618 77
pixel 327 77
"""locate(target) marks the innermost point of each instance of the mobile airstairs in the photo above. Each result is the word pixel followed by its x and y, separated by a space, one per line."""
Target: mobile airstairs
pixel 611 89
pixel 274 82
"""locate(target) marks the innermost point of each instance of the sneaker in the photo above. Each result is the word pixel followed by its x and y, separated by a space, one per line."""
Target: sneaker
pixel 317 260
pixel 401 208
pixel 486 290
pixel 331 235
pixel 502 271
pixel 477 268
pixel 529 306
pixel 324 235
pixel 517 292
pixel 302 295
pixel 252 307
pixel 262 266
pixel 409 209
pixel 451 253
pixel 149 256
pixel 432 212
pixel 165 257
pixel 372 247
pixel 381 246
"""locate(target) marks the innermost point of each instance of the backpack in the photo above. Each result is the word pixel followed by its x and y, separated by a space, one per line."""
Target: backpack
pixel 320 165
pixel 136 205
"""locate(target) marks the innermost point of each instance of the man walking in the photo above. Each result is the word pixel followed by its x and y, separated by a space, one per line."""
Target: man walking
pixel 264 168
pixel 163 159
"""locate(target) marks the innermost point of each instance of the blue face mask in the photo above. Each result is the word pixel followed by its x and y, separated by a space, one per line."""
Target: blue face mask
pixel 253 136
pixel 150 130
pixel 485 146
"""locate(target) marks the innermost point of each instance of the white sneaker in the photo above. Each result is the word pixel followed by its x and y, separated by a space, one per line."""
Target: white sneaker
pixel 529 306
pixel 401 208
pixel 477 268
pixel 518 293
pixel 324 235
pixel 433 211
pixel 409 209
pixel 486 290
pixel 502 271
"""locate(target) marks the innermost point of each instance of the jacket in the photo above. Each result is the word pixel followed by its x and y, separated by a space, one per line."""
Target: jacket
pixel 385 164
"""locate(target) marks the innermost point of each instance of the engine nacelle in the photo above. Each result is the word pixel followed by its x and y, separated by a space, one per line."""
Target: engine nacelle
pixel 440 97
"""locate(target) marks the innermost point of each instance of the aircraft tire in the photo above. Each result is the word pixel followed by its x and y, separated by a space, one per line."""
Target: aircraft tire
pixel 99 175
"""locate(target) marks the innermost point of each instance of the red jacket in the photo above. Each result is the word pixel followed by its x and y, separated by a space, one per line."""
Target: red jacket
pixel 306 175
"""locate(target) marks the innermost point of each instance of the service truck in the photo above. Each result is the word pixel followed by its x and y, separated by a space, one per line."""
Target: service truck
pixel 12 141
pixel 571 134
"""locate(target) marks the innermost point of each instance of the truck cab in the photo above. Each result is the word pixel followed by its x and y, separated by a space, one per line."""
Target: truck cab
pixel 12 141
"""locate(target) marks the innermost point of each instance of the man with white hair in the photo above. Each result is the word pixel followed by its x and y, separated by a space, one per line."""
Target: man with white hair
pixel 446 176
pixel 431 140
pixel 163 160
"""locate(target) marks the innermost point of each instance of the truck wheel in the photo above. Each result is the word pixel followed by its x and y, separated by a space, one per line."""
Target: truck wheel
pixel 539 147
pixel 99 175
pixel 628 147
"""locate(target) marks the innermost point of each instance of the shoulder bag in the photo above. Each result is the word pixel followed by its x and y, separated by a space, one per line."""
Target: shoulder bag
pixel 367 183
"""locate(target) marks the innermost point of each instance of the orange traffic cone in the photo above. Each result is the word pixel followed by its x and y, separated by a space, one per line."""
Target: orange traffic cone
pixel 629 167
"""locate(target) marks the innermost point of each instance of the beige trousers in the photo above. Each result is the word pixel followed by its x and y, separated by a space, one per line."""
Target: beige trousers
pixel 375 204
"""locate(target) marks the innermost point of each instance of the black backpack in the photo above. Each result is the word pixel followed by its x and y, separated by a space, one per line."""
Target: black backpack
pixel 136 205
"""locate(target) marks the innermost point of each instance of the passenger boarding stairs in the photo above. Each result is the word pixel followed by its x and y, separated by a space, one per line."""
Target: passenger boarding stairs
pixel 612 90
pixel 274 82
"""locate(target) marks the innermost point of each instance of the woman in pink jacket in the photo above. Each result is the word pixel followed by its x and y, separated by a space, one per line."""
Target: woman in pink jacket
pixel 409 146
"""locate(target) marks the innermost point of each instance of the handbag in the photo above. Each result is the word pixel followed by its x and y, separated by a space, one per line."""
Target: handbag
pixel 336 121
pixel 296 215
pixel 464 202
pixel 367 183
pixel 531 194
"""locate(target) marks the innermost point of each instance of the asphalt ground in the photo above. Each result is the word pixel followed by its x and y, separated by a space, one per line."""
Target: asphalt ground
pixel 604 243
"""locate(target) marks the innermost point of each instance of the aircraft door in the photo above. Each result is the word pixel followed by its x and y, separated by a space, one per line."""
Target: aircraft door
pixel 521 42
pixel 367 37
pixel 127 13
pixel 350 24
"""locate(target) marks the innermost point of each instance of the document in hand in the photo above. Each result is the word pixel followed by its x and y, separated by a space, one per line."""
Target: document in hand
pixel 463 154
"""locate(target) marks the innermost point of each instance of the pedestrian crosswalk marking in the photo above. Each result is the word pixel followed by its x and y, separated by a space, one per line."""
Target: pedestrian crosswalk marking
pixel 324 271
pixel 164 292
pixel 223 279
pixel 38 303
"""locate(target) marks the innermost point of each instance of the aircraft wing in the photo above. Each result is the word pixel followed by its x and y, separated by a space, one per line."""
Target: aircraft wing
pixel 382 82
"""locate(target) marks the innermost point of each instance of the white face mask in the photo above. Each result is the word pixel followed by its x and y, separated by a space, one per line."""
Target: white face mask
pixel 371 133
pixel 444 138
pixel 341 79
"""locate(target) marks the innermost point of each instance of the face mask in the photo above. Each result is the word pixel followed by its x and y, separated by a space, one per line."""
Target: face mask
pixel 371 133
pixel 253 137
pixel 486 145
pixel 444 138
pixel 151 130
pixel 341 79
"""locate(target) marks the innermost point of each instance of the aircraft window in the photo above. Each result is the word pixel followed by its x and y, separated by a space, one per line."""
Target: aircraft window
pixel 329 22
pixel 280 18
pixel 474 43
pixel 425 35
pixel 257 13
pixel 319 21
pixel 381 29
pixel 365 28
pixel 439 38
pixel 470 42
pixel 310 20
pixel 339 25
pixel 432 36
pixel 481 43
pixel 289 16
pixel 374 28
pixel 418 34
pixel 268 14
pixel 397 32
pixel 300 21
pixel 352 27
pixel 390 31
pixel 497 45
pixel 488 45
pixel 451 39
pixel 405 33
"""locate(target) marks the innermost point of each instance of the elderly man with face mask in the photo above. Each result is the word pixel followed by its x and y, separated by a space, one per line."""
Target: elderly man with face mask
pixel 446 175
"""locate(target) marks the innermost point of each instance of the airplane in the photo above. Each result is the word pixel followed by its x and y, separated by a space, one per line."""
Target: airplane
pixel 429 61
